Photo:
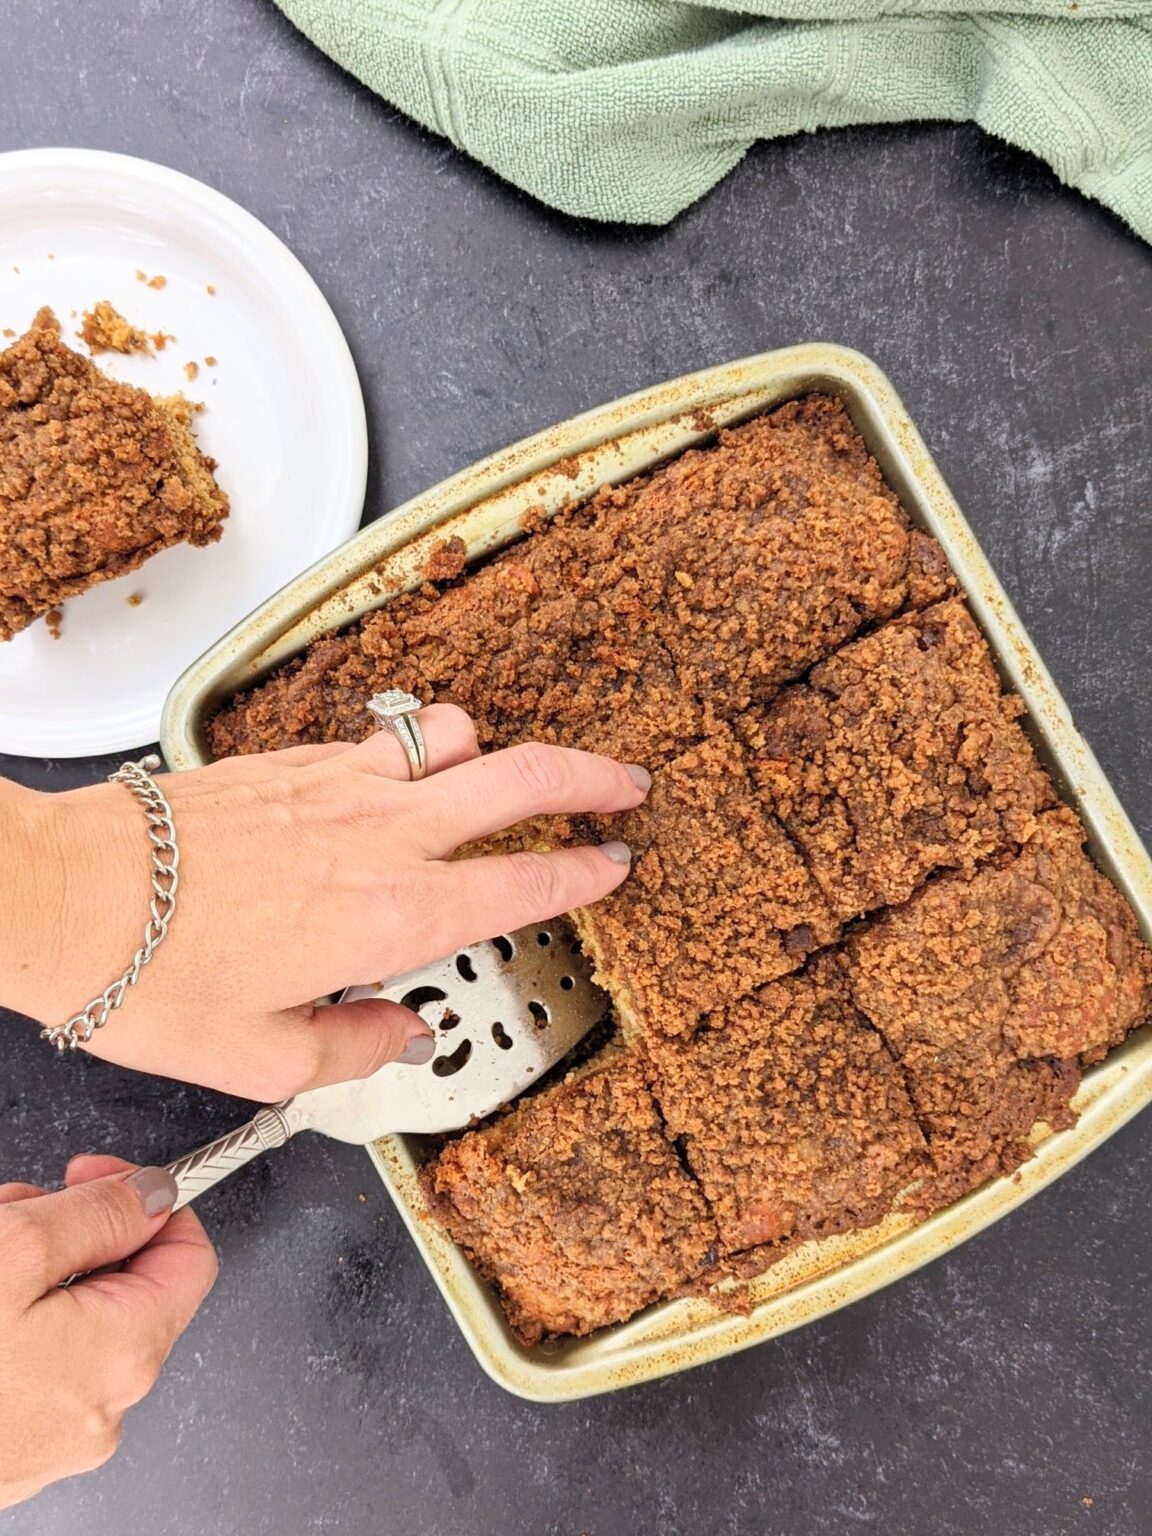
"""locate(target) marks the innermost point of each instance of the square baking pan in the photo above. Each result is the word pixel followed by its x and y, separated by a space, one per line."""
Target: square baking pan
pixel 485 506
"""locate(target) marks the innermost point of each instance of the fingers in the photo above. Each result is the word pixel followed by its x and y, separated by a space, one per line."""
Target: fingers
pixel 257 767
pixel 11 1193
pixel 141 1308
pixel 295 757
pixel 449 739
pixel 159 1288
pixel 497 894
pixel 86 1166
pixel 533 779
pixel 353 1040
pixel 179 1261
pixel 86 1226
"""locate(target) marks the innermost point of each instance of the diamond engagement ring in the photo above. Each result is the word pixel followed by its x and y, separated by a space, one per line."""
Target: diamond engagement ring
pixel 396 712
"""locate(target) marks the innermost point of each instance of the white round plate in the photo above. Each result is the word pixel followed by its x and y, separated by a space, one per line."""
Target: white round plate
pixel 284 418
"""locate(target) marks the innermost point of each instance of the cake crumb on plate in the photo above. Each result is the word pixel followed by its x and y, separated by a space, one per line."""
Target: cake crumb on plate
pixel 104 329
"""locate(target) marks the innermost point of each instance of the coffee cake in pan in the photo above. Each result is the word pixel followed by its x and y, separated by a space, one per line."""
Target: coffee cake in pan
pixel 861 951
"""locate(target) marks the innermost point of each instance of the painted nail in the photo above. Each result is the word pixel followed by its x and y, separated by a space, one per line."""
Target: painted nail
pixel 619 853
pixel 639 776
pixel 418 1052
pixel 156 1188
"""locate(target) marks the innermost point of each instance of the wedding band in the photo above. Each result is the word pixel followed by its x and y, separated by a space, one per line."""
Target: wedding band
pixel 396 712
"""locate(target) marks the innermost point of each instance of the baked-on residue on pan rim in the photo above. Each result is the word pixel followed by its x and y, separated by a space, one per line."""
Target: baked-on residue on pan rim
pixel 484 505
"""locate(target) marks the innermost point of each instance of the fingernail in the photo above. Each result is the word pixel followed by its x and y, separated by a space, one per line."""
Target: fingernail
pixel 418 1052
pixel 619 853
pixel 156 1188
pixel 639 776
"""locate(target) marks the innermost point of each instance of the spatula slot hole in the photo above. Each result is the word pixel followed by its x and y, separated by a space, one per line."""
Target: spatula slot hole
pixel 539 1012
pixel 450 1019
pixel 543 938
pixel 501 1036
pixel 420 997
pixel 504 947
pixel 447 1066
pixel 465 967
pixel 566 983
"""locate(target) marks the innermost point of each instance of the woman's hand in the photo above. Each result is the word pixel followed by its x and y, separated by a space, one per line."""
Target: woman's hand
pixel 72 1362
pixel 301 872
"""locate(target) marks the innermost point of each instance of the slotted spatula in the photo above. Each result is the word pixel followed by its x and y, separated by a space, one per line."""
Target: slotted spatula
pixel 503 1011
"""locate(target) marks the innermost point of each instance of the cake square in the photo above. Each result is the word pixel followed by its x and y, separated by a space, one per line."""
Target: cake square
pixel 793 1114
pixel 992 987
pixel 95 477
pixel 758 555
pixel 718 902
pixel 576 664
pixel 977 1104
pixel 1036 948
pixel 899 756
pixel 575 1207
pixel 520 644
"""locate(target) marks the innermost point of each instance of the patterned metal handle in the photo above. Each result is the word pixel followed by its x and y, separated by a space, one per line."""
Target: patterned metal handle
pixel 200 1170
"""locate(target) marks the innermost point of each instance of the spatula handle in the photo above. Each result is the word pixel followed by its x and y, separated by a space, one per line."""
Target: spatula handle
pixel 200 1170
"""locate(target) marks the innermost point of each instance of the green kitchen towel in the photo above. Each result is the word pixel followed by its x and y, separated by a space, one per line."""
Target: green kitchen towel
pixel 631 109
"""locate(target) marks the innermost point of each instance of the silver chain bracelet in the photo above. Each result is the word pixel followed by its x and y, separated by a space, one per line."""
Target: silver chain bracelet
pixel 79 1029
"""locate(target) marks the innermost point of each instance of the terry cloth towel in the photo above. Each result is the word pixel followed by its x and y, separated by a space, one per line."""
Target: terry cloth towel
pixel 632 109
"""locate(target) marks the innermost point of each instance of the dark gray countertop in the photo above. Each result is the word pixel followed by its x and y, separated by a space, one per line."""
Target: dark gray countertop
pixel 324 1387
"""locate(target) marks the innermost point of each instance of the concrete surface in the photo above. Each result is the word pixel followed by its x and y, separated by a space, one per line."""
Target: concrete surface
pixel 323 1387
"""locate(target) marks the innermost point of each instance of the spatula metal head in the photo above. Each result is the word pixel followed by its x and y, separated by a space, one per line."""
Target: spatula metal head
pixel 503 1011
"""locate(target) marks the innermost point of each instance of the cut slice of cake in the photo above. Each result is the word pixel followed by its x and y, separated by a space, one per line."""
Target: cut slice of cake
pixel 575 1207
pixel 900 755
pixel 719 901
pixel 793 1114
pixel 992 988
pixel 95 477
